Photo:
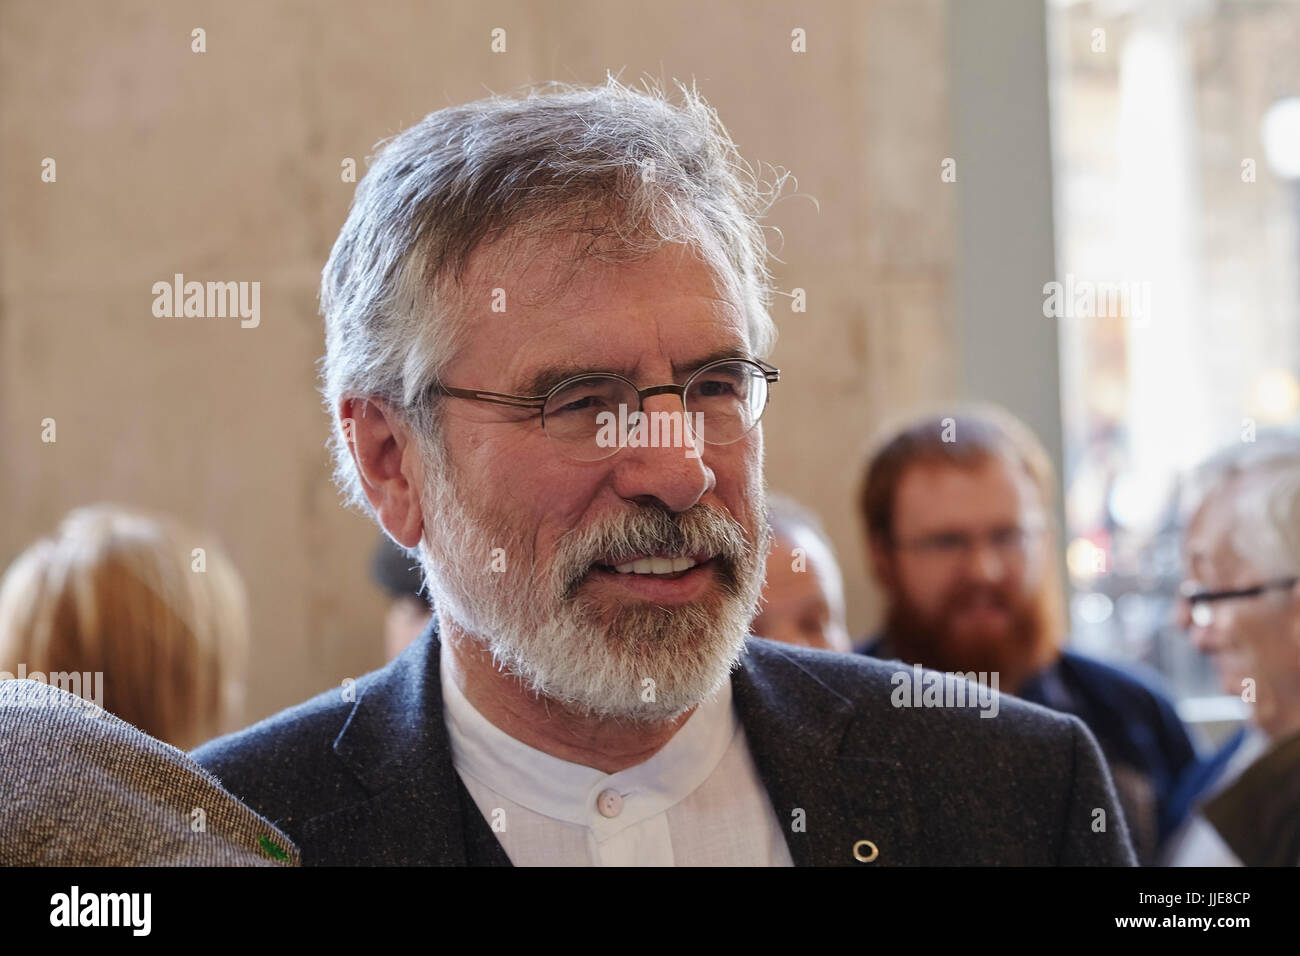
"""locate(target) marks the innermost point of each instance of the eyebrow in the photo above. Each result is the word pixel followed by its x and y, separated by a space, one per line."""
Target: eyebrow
pixel 540 382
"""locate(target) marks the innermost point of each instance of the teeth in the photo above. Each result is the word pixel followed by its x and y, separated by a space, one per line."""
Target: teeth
pixel 655 566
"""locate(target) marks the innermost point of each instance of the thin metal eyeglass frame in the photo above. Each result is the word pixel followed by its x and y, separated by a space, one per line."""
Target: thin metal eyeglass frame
pixel 1209 597
pixel 771 374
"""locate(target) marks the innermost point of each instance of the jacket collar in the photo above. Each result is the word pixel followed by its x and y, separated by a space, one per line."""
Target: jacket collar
pixel 396 727
pixel 836 795
pixel 396 745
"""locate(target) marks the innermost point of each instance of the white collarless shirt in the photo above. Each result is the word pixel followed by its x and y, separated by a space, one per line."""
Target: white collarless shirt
pixel 697 802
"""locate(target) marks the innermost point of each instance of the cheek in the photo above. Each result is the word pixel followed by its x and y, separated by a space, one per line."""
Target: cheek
pixel 744 458
pixel 738 476
pixel 511 468
pixel 1262 637
pixel 490 452
pixel 551 511
pixel 1037 562
pixel 925 587
pixel 1029 579
pixel 1221 635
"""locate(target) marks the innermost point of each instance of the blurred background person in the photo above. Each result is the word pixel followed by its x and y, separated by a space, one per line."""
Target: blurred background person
pixel 149 604
pixel 408 610
pixel 1241 606
pixel 803 593
pixel 957 512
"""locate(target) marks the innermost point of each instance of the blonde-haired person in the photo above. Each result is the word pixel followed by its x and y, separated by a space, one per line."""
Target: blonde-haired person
pixel 150 605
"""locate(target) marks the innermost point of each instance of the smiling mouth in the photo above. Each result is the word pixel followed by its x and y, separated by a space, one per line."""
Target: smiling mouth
pixel 660 567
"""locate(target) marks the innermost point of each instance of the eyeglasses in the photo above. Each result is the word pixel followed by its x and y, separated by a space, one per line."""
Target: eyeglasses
pixel 1201 602
pixel 1011 544
pixel 591 416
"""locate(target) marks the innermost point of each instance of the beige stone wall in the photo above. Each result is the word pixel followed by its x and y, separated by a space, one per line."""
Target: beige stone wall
pixel 225 166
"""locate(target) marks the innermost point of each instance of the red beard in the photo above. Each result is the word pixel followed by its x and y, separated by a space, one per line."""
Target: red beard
pixel 1015 652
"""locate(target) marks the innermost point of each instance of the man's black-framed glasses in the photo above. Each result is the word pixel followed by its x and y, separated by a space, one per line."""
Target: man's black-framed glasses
pixel 592 415
pixel 1201 601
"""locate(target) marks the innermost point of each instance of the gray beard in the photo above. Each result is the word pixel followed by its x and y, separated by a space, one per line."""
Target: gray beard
pixel 638 662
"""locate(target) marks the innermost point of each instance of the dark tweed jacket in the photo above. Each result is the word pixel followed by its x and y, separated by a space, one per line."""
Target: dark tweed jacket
pixel 370 781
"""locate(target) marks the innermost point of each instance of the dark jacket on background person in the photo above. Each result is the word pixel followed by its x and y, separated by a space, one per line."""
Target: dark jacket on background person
pixel 367 778
pixel 1247 793
pixel 1258 814
pixel 1144 742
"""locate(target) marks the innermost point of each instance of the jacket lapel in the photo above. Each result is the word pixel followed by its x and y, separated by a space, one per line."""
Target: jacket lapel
pixel 828 796
pixel 395 743
pixel 856 806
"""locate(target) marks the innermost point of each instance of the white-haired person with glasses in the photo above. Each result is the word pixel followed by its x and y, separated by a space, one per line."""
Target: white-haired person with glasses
pixel 1241 605
pixel 546 339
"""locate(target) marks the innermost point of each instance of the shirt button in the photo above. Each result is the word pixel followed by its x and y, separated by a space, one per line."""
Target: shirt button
pixel 609 803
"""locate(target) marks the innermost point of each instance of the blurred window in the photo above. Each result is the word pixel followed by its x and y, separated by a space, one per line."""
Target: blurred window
pixel 1176 152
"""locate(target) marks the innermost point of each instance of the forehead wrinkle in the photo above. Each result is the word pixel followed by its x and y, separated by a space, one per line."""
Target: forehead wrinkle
pixel 540 382
pixel 602 288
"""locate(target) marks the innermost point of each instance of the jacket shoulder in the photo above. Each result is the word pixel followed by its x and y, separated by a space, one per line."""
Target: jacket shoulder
pixel 284 766
pixel 877 687
pixel 986 777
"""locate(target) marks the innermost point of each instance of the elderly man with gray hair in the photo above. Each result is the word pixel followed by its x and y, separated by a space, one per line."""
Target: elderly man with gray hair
pixel 1241 605
pixel 546 322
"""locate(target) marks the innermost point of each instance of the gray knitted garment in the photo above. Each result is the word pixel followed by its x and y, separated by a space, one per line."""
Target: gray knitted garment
pixel 80 787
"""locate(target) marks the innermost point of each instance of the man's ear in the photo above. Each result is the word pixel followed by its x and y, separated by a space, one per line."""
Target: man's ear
pixel 388 463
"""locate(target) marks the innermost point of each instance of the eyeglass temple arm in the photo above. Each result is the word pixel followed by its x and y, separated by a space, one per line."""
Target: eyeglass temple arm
pixel 1202 597
pixel 496 398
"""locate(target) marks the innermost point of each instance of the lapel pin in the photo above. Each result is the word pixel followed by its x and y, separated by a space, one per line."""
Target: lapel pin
pixel 864 851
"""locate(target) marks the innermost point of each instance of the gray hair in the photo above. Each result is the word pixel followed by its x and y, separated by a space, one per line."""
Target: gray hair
pixel 620 170
pixel 1266 529
pixel 1263 479
pixel 1271 447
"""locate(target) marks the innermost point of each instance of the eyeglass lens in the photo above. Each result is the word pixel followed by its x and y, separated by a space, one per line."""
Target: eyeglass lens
pixel 592 417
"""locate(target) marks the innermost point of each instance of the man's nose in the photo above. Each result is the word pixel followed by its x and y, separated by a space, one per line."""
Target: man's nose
pixel 987 564
pixel 1200 638
pixel 670 468
pixel 1206 638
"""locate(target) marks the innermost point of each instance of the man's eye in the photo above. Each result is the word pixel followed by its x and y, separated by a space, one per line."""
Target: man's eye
pixel 575 403
pixel 585 398
pixel 716 387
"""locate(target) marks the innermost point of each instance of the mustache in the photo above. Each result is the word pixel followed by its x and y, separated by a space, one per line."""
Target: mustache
pixel 1000 597
pixel 626 535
